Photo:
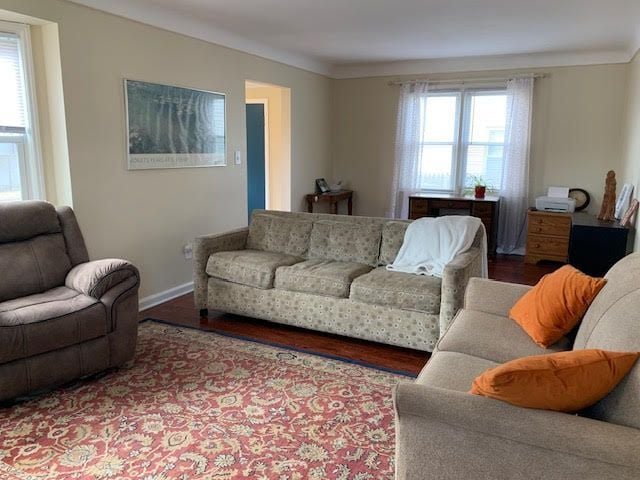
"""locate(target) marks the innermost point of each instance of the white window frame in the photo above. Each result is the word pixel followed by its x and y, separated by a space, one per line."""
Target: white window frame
pixel 28 143
pixel 461 136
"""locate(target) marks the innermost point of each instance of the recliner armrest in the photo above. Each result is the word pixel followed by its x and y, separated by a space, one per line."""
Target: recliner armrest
pixel 97 277
pixel 491 296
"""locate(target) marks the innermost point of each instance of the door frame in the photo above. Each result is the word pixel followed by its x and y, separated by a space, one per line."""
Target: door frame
pixel 265 102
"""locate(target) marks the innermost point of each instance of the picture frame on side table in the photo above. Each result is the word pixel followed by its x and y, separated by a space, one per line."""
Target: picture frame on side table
pixel 322 186
pixel 174 127
pixel 622 204
pixel 630 213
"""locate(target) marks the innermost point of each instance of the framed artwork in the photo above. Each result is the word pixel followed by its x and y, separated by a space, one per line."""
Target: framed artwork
pixel 630 213
pixel 174 127
pixel 321 185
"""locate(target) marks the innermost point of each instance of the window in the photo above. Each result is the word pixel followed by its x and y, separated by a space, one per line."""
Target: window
pixel 20 172
pixel 463 134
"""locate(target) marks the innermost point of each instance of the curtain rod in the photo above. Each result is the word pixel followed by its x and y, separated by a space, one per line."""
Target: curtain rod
pixel 467 80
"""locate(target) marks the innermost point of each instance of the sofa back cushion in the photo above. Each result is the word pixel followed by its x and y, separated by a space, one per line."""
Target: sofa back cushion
pixel 346 242
pixel 271 233
pixel 392 239
pixel 613 323
pixel 33 251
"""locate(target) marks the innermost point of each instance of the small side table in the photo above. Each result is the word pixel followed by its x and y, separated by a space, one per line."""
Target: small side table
pixel 332 198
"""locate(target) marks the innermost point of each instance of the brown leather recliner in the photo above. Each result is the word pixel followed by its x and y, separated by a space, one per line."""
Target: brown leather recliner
pixel 61 316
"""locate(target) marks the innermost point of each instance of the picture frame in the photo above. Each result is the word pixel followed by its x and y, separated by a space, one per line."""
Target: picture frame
pixel 170 126
pixel 630 213
pixel 322 186
pixel 622 204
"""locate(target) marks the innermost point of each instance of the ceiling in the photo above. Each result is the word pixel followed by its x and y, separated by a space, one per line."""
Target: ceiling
pixel 343 38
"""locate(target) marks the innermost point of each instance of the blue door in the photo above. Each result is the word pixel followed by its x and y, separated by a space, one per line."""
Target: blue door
pixel 256 174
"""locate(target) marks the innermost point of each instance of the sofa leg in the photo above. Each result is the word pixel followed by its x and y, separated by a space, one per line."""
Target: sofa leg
pixel 204 313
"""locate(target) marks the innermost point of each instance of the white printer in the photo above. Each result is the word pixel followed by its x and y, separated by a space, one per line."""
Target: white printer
pixel 556 200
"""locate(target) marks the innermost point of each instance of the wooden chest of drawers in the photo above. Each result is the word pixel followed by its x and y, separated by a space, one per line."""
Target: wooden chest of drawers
pixel 548 236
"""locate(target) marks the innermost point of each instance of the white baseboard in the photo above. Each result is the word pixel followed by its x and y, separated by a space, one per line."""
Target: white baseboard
pixel 161 297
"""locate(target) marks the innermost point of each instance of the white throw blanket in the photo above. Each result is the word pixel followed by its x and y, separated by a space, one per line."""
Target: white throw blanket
pixel 430 243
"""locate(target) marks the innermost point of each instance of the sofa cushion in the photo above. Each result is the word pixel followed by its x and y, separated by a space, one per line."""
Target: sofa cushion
pixel 613 323
pixel 398 290
pixel 48 321
pixel 492 337
pixel 392 240
pixel 320 277
pixel 346 242
pixel 453 371
pixel 254 268
pixel 33 266
pixel 272 233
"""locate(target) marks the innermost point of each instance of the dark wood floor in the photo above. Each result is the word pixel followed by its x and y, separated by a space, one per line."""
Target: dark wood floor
pixel 182 311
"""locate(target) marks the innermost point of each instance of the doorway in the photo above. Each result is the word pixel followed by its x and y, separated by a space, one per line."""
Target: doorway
pixel 268 109
pixel 257 155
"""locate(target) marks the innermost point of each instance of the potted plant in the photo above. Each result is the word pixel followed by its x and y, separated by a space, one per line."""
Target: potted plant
pixel 480 186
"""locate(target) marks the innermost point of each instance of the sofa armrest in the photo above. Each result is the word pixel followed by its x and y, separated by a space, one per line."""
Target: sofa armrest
pixel 97 277
pixel 507 424
pixel 491 296
pixel 203 247
pixel 455 278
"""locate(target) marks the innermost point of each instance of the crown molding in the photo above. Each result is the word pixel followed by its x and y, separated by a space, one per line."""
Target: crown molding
pixel 480 63
pixel 193 27
pixel 202 30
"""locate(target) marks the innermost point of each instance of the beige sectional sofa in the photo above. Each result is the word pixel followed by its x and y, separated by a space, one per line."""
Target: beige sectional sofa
pixel 327 273
pixel 443 432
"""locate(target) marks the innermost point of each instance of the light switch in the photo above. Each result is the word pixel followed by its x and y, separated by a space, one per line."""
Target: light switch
pixel 237 157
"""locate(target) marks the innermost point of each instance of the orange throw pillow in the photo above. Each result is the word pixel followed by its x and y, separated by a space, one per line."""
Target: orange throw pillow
pixel 565 381
pixel 556 304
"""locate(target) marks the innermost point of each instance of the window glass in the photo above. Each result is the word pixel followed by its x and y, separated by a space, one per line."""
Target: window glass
pixel 19 167
pixel 449 163
pixel 439 119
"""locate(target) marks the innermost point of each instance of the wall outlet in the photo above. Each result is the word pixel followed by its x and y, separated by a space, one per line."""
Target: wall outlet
pixel 188 251
pixel 237 157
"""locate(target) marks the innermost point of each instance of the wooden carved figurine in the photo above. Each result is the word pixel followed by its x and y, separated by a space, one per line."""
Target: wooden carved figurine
pixel 609 199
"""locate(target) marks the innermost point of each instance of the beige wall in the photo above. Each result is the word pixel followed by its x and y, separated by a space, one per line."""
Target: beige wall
pixel 576 131
pixel 147 216
pixel 631 153
pixel 51 116
pixel 279 144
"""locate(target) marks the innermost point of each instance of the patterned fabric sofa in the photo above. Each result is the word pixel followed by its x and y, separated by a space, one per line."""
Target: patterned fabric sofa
pixel 444 432
pixel 327 273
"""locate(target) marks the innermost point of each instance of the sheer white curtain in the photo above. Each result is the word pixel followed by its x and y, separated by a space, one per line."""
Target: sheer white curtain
pixel 515 180
pixel 406 175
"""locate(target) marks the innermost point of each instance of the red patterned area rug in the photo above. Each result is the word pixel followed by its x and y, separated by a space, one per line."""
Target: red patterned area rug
pixel 200 405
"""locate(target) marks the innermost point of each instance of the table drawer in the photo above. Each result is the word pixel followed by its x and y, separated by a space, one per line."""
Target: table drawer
pixel 541 244
pixel 418 205
pixel 553 229
pixel 481 209
pixel 452 204
pixel 545 219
